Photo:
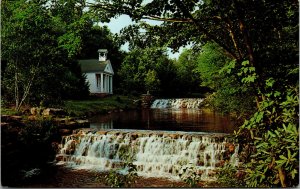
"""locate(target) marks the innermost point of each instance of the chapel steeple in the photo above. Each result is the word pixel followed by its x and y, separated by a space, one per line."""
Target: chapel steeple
pixel 102 54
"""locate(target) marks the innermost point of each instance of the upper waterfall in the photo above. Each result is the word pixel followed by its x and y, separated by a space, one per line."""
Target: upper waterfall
pixel 189 103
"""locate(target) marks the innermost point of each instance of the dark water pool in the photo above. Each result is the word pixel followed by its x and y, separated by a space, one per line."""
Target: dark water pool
pixel 165 119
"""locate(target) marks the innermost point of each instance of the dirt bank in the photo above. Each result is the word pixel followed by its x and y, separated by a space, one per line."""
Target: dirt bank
pixel 70 178
pixel 66 178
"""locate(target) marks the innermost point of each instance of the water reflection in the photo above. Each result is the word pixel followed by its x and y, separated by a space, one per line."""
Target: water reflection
pixel 165 119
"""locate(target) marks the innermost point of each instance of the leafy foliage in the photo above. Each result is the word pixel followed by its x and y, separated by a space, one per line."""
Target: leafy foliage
pixel 190 175
pixel 274 134
pixel 152 83
pixel 115 179
pixel 217 72
pixel 147 70
pixel 186 66
pixel 230 176
pixel 27 149
pixel 38 67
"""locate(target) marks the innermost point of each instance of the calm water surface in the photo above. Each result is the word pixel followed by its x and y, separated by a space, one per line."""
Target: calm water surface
pixel 165 119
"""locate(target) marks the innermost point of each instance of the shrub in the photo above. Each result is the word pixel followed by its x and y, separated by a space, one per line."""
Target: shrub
pixel 273 139
pixel 190 175
pixel 115 179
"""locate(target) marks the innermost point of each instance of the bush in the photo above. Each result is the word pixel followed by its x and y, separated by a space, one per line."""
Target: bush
pixel 26 151
pixel 190 175
pixel 273 140
pixel 115 179
pixel 230 176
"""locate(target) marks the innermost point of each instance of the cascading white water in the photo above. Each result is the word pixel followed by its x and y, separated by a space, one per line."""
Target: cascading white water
pixel 189 103
pixel 155 153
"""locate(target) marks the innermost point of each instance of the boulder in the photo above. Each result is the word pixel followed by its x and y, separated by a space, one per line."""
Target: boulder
pixel 16 118
pixel 134 136
pixel 174 136
pixel 53 112
pixel 3 124
pixel 71 124
pixel 83 122
pixel 32 118
pixel 102 132
pixel 231 148
pixel 11 118
pixel 59 158
pixel 220 163
pixel 35 111
pixel 65 131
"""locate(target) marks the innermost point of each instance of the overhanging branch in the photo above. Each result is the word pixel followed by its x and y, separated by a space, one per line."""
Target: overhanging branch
pixel 181 6
pixel 157 18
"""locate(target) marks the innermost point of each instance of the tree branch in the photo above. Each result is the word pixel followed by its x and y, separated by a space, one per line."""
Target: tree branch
pixel 181 6
pixel 167 19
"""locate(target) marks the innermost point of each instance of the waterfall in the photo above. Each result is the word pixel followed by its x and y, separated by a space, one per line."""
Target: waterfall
pixel 155 153
pixel 189 103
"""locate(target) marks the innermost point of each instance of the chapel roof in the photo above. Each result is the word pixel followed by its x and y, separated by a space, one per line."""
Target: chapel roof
pixel 93 65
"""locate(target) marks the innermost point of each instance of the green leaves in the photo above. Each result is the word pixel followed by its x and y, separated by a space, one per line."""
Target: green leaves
pixel 115 179
pixel 228 67
pixel 190 175
pixel 152 83
pixel 247 73
pixel 285 161
pixel 270 82
pixel 274 133
pixel 38 43
pixel 148 69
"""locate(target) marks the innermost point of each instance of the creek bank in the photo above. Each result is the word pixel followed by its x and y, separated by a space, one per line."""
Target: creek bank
pixel 94 106
pixel 30 142
pixel 73 178
pixel 30 138
pixel 27 148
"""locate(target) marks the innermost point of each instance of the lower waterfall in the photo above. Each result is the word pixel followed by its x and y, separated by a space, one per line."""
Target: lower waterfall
pixel 189 103
pixel 155 153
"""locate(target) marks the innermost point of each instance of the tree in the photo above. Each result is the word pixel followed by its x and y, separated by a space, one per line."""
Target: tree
pixel 143 68
pixel 216 72
pixel 152 83
pixel 39 68
pixel 188 78
pixel 20 33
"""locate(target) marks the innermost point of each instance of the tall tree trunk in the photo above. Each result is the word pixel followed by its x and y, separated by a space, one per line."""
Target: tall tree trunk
pixel 27 87
pixel 258 84
pixel 16 86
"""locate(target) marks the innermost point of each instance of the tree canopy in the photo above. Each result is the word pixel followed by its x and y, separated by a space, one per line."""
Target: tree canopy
pixel 245 30
pixel 147 69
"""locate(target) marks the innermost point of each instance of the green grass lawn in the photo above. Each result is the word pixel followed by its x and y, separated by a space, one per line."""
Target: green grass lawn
pixel 93 106
pixel 88 107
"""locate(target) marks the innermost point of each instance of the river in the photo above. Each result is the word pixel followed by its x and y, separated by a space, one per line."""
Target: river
pixel 197 120
pixel 163 141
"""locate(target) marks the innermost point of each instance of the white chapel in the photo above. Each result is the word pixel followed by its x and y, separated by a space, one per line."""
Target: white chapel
pixel 99 73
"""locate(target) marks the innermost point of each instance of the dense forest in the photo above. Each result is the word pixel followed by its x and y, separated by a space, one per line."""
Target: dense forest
pixel 244 58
